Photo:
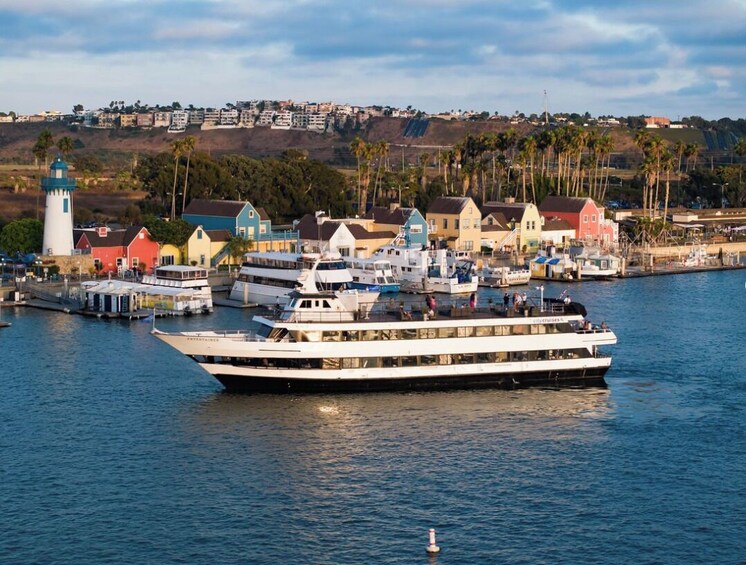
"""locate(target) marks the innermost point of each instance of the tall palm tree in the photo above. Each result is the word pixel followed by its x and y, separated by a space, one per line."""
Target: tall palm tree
pixel 740 149
pixel 188 145
pixel 177 150
pixel 690 152
pixel 668 161
pixel 357 146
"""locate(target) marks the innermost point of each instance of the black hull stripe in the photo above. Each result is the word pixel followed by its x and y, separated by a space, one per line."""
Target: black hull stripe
pixel 553 379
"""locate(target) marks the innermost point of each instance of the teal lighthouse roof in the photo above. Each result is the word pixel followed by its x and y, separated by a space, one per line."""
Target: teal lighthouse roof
pixel 57 179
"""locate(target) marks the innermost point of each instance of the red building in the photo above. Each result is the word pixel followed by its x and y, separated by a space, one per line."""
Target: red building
pixel 116 251
pixel 584 215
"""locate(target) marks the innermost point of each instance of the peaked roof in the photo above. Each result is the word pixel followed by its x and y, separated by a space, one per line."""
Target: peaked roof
pixel 359 232
pixel 309 228
pixel 556 224
pixel 563 204
pixel 508 209
pixel 221 208
pixel 498 218
pixel 381 215
pixel 449 204
pixel 113 238
pixel 262 213
pixel 218 235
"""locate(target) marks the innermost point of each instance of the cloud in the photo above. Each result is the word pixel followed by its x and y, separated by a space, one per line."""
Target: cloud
pixel 435 54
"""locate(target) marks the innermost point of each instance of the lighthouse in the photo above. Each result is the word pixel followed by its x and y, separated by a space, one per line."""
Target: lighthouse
pixel 58 217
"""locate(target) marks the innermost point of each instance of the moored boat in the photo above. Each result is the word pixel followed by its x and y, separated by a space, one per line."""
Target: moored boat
pixel 372 274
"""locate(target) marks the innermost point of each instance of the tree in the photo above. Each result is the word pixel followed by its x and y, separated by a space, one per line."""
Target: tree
pixel 42 145
pixel 238 246
pixel 65 145
pixel 22 236
pixel 188 145
pixel 177 150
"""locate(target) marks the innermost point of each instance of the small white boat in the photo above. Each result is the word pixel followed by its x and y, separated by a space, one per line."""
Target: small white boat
pixel 594 264
pixel 372 274
pixel 502 277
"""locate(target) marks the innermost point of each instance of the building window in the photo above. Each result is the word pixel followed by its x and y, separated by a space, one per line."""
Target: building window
pixel 593 218
pixel 199 234
pixel 201 259
pixel 344 251
pixel 415 229
pixel 65 206
pixel 456 224
pixel 251 213
pixel 167 259
pixel 262 228
pixel 242 232
pixel 469 245
pixel 445 223
pixel 585 218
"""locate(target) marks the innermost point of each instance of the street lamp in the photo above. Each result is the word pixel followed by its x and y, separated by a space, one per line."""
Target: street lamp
pixel 722 192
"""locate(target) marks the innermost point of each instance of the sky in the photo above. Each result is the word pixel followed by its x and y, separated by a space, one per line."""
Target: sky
pixel 619 58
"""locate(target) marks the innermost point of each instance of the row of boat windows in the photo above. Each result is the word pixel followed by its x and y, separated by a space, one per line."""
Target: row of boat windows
pixel 285 264
pixel 435 333
pixel 401 361
pixel 290 284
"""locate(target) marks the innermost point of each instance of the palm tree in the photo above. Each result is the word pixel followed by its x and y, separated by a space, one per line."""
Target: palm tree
pixel 679 148
pixel 690 152
pixel 668 160
pixel 740 149
pixel 188 145
pixel 43 143
pixel 177 150
pixel 358 148
pixel 66 146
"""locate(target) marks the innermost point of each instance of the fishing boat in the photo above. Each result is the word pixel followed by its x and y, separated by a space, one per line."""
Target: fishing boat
pixel 325 341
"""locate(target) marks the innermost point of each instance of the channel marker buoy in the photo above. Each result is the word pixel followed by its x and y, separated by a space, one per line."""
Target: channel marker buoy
pixel 432 548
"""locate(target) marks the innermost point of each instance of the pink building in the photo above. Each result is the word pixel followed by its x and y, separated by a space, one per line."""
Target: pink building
pixel 584 215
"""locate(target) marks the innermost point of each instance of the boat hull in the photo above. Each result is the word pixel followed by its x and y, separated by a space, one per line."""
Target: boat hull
pixel 566 378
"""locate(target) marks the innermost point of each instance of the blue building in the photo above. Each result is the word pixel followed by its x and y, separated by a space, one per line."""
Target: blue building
pixel 404 221
pixel 240 219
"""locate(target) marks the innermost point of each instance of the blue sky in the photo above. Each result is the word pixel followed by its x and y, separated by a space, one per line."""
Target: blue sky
pixel 666 57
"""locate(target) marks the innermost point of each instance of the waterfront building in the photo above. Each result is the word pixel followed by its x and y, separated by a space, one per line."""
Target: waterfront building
pixel 556 231
pixel 400 221
pixel 58 214
pixel 584 215
pixel 496 233
pixel 523 217
pixel 116 251
pixel 455 222
pixel 240 219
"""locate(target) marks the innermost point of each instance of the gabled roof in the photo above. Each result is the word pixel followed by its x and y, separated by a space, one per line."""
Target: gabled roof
pixel 219 208
pixel 556 224
pixel 448 205
pixel 498 218
pixel 113 238
pixel 508 209
pixel 262 214
pixel 563 204
pixel 359 232
pixel 396 217
pixel 218 235
pixel 309 228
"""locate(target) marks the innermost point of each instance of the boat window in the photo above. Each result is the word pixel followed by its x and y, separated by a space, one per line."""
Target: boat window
pixel 502 330
pixel 538 329
pixel 445 359
pixel 482 331
pixel 370 335
pixel 428 360
pixel 350 335
pixel 351 363
pixel 446 332
pixel 466 331
pixel 409 334
pixel 520 330
pixel 330 363
pixel 332 336
pixel 409 361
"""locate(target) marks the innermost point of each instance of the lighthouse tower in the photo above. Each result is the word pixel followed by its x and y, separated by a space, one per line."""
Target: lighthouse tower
pixel 58 218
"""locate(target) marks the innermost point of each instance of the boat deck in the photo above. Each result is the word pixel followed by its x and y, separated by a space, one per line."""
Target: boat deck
pixel 399 313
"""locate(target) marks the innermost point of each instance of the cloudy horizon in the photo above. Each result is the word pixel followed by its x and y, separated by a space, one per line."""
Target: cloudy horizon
pixel 627 58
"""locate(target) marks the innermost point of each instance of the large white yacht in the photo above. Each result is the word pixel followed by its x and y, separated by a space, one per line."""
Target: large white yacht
pixel 426 270
pixel 267 278
pixel 327 341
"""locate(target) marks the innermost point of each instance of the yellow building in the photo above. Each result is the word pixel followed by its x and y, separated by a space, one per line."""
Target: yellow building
pixel 455 222
pixel 523 218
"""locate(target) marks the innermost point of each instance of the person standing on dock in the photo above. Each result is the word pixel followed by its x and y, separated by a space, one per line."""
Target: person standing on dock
pixel 506 300
pixel 473 300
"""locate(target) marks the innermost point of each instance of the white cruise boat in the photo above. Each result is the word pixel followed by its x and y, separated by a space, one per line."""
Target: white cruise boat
pixel 429 271
pixel 268 278
pixel 325 341
pixel 372 274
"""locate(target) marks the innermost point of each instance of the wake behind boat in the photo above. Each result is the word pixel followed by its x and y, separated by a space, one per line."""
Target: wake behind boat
pixel 330 341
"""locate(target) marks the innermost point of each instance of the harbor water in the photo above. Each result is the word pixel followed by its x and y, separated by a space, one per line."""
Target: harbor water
pixel 114 448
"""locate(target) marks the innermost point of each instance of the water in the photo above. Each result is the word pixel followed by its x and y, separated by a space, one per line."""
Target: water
pixel 116 449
